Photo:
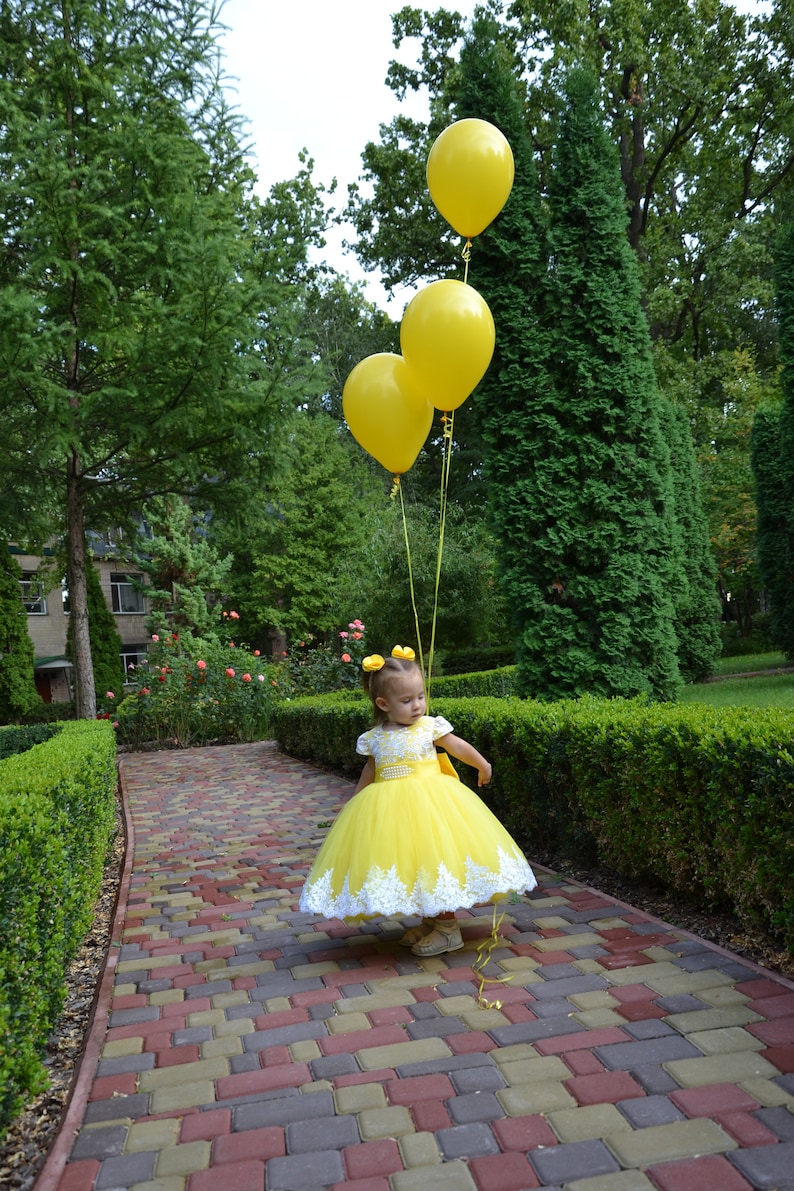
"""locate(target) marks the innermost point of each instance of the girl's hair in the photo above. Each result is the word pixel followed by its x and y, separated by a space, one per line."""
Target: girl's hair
pixel 377 682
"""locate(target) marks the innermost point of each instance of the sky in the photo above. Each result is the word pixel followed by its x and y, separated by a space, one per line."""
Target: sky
pixel 310 74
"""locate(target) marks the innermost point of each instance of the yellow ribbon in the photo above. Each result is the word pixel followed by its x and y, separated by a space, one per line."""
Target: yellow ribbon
pixel 404 652
pixel 483 955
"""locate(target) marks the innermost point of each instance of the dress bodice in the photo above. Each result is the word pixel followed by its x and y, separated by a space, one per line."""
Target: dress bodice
pixel 414 742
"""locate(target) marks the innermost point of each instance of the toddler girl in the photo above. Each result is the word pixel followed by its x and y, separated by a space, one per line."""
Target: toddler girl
pixel 413 839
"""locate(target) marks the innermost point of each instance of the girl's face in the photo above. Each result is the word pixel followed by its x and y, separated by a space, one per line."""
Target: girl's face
pixel 403 701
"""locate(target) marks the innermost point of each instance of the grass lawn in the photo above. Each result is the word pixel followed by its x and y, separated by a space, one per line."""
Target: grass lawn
pixel 773 690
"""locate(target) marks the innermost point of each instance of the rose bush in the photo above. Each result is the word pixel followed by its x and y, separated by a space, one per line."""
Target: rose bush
pixel 194 691
pixel 312 667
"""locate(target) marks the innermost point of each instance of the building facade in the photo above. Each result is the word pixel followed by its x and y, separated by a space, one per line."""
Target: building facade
pixel 46 599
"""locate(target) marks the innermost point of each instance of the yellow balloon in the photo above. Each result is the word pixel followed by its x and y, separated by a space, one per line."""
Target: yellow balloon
pixel 386 412
pixel 447 337
pixel 470 174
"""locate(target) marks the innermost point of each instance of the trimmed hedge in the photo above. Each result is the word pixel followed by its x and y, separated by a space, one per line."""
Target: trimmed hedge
pixel 696 798
pixel 57 817
pixel 20 739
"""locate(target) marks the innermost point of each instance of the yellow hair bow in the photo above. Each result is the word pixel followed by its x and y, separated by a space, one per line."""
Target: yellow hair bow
pixel 404 652
pixel 372 663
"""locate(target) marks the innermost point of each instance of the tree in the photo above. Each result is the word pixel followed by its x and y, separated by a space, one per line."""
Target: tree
pixel 18 695
pixel 298 559
pixel 139 280
pixel 187 575
pixel 773 458
pixel 596 613
pixel 105 641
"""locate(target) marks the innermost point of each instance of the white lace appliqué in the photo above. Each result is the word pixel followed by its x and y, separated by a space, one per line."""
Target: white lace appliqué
pixel 383 891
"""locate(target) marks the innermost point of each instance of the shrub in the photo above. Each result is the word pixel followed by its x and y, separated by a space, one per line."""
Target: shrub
pixel 191 691
pixel 57 815
pixel 698 799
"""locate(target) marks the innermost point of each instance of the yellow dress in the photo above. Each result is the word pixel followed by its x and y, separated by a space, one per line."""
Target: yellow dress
pixel 414 841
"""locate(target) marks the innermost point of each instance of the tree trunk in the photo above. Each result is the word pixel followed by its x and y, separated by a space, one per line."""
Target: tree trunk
pixel 84 692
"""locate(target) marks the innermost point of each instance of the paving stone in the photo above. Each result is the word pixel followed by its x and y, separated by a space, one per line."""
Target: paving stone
pixel 564 1164
pixel 766 1168
pixel 99 1143
pixel 539 1097
pixel 624 1180
pixel 779 1120
pixel 710 1173
pixel 625 1056
pixel 660 1143
pixel 326 1133
pixel 125 1170
pixel 476 1106
pixel 730 1068
pixel 467 1140
pixel 296 1171
pixel 650 1110
pixel 582 1124
pixel 450 1176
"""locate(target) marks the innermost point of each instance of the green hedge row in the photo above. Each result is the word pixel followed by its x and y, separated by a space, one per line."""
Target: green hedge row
pixel 698 799
pixel 57 817
pixel 20 739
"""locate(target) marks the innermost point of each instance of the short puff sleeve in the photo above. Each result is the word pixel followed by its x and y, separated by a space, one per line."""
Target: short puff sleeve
pixel 441 727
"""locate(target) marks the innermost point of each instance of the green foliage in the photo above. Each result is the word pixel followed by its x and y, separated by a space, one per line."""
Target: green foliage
pixel 697 605
pixel 191 691
pixel 590 574
pixel 106 644
pixel 187 576
pixel 18 695
pixel 313 667
pixel 20 739
pixel 57 815
pixel 697 799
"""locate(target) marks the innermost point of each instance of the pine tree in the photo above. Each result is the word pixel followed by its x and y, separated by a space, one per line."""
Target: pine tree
pixel 697 603
pixel 106 643
pixel 593 599
pixel 18 696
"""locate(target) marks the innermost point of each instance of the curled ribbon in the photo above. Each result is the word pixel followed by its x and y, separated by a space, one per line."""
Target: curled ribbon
pixel 404 652
pixel 483 955
pixel 372 663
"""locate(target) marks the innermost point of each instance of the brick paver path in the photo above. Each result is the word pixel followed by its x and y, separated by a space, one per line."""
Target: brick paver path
pixel 242 1046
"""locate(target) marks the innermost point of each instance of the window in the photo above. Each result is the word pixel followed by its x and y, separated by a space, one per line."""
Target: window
pixel 33 594
pixel 131 658
pixel 124 596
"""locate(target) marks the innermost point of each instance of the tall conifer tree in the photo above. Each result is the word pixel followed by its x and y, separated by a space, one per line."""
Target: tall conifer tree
pixel 773 459
pixel 595 600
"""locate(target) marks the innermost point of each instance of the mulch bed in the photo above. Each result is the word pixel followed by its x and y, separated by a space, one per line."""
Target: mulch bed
pixel 25 1146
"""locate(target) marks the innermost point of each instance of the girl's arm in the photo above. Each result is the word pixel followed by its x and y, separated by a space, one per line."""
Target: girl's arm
pixel 367 775
pixel 468 754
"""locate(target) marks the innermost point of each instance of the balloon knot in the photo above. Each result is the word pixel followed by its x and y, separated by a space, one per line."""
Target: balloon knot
pixel 395 488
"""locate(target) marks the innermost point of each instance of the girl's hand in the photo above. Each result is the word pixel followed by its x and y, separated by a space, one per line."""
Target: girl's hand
pixel 484 772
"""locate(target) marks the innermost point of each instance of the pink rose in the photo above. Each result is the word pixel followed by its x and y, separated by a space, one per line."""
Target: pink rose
pixel 256 653
pixel 346 657
pixel 246 678
pixel 201 665
pixel 229 672
pixel 155 637
pixel 357 636
pixel 343 635
pixel 109 695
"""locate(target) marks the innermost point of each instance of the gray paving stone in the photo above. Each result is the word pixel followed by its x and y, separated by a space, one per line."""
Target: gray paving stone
pixel 321 1012
pixel 650 1110
pixel 766 1168
pixel 240 1063
pixel 460 988
pixel 99 1143
pixel 332 1066
pixel 682 1003
pixel 474 1106
pixel 212 988
pixel 701 961
pixel 192 1036
pixel 298 1171
pixel 286 1035
pixel 553 972
pixel 655 1080
pixel 133 1017
pixel 477 1079
pixel 445 1066
pixel 556 1007
pixel 435 1027
pixel 423 1011
pixel 566 988
pixel 786 1082
pixel 531 1031
pixel 574 1160
pixel 467 1141
pixel 326 1133
pixel 282 984
pixel 130 1063
pixel 284 1110
pixel 117 1107
pixel 651 1027
pixel 151 986
pixel 125 1170
pixel 628 1055
pixel 778 1120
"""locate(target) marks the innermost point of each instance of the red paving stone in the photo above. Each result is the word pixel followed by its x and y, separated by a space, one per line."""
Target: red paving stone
pixel 221 841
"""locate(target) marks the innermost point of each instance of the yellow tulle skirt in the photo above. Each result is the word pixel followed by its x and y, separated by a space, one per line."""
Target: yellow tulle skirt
pixel 417 844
